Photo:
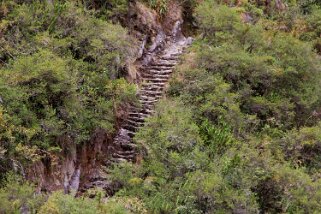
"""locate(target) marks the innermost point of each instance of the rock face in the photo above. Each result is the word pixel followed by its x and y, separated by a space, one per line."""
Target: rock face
pixel 72 166
pixel 153 32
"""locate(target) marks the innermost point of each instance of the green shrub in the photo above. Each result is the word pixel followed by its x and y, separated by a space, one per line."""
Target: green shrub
pixel 17 195
pixel 59 203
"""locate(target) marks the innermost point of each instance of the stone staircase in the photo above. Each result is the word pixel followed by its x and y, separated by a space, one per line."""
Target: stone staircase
pixel 157 66
pixel 155 76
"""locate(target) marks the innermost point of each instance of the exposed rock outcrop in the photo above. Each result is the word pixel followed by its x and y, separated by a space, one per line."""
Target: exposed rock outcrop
pixel 70 167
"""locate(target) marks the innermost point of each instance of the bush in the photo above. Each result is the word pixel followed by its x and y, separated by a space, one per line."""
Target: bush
pixel 302 147
pixel 17 195
pixel 59 203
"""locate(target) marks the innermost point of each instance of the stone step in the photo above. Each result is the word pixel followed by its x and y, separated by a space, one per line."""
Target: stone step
pixel 158 72
pixel 155 80
pixel 167 60
pixel 156 88
pixel 137 118
pixel 166 57
pixel 154 84
pixel 148 111
pixel 151 96
pixel 154 96
pixel 116 155
pixel 165 64
pixel 168 64
pixel 131 127
pixel 147 101
pixel 150 84
pixel 148 104
pixel 134 118
pixel 150 92
pixel 152 87
pixel 125 152
pixel 134 123
pixel 139 111
pixel 159 68
pixel 160 76
pixel 138 115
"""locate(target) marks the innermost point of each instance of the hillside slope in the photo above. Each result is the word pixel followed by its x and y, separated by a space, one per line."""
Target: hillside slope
pixel 99 101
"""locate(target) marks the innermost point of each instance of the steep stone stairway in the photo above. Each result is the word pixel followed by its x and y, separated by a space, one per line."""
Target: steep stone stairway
pixel 155 76
pixel 156 67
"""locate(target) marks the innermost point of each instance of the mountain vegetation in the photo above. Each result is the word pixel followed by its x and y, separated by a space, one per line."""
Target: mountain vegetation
pixel 239 130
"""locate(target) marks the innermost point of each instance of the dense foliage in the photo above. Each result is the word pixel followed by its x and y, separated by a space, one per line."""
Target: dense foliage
pixel 58 76
pixel 239 131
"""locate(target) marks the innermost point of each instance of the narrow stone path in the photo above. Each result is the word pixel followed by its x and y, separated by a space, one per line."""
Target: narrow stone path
pixel 155 72
pixel 155 77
